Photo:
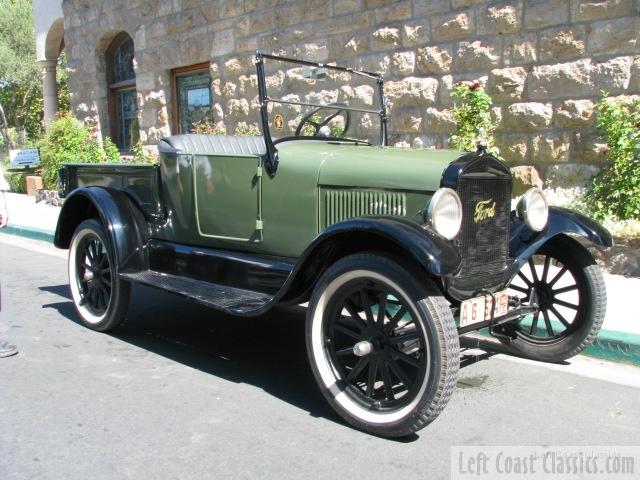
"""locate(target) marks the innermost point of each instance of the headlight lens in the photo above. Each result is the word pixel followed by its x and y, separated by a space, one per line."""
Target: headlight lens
pixel 445 213
pixel 533 209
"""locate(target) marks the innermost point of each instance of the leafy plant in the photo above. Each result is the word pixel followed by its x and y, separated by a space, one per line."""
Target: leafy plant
pixel 207 127
pixel 17 181
pixel 62 77
pixel 336 127
pixel 68 140
pixel 615 191
pixel 244 130
pixel 139 154
pixel 471 112
pixel 111 150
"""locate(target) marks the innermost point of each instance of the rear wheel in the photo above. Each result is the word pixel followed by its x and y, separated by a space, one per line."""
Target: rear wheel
pixel 383 345
pixel 567 284
pixel 101 298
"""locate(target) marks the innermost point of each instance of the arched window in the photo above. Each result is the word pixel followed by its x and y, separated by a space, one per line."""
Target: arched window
pixel 121 80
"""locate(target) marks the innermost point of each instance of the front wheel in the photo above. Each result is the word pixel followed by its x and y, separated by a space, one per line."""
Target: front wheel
pixel 383 345
pixel 567 285
pixel 101 298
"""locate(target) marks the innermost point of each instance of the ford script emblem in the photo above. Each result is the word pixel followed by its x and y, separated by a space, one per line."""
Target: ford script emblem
pixel 484 209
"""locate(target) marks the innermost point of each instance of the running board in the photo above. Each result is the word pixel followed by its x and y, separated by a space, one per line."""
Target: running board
pixel 222 297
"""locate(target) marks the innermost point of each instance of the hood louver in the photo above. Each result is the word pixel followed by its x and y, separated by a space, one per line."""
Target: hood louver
pixel 337 205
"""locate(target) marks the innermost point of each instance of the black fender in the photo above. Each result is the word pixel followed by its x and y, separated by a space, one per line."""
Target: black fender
pixel 395 235
pixel 524 242
pixel 124 222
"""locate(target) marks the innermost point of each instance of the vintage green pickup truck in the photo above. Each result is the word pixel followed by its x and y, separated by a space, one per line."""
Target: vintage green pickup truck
pixel 396 251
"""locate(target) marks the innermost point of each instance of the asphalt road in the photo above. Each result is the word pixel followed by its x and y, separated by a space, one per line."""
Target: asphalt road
pixel 181 391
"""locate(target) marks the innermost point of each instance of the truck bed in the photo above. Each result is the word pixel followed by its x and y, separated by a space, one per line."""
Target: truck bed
pixel 141 182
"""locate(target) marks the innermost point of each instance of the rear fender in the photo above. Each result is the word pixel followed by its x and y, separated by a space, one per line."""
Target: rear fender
pixel 123 220
pixel 524 242
pixel 394 235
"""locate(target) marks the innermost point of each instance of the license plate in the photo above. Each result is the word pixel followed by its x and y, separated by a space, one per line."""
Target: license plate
pixel 478 309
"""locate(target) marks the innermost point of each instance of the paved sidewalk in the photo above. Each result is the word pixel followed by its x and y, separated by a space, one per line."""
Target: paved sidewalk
pixel 619 339
pixel 31 219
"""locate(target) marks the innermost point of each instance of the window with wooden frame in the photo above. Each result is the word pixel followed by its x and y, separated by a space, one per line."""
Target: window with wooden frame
pixel 121 80
pixel 192 97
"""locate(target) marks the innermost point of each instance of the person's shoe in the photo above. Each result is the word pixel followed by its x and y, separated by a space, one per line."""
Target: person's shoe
pixel 6 349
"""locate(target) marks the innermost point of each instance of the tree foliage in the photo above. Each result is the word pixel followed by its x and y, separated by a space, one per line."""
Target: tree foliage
pixel 20 84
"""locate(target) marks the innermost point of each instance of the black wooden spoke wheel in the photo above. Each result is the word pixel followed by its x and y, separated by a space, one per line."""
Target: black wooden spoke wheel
pixel 100 297
pixel 567 285
pixel 383 344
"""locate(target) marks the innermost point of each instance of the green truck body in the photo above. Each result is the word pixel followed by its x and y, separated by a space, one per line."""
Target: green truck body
pixel 397 251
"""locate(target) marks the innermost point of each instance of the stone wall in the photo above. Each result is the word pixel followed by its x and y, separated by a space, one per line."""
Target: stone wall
pixel 545 62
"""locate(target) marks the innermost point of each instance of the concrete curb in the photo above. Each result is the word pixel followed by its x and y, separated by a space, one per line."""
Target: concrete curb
pixel 610 345
pixel 616 346
pixel 619 347
pixel 29 232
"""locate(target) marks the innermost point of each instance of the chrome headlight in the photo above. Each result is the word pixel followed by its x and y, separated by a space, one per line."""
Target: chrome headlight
pixel 445 213
pixel 533 209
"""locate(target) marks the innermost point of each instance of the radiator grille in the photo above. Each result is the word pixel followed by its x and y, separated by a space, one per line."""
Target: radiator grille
pixel 484 245
pixel 342 204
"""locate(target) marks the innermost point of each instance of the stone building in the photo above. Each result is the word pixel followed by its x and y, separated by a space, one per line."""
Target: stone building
pixel 156 66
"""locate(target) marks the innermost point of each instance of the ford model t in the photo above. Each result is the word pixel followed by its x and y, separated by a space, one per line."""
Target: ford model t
pixel 397 251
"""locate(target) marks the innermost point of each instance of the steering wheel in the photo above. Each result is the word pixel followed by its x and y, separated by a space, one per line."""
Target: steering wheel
pixel 308 118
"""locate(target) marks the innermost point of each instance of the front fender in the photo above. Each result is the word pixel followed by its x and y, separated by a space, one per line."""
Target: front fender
pixel 394 235
pixel 524 242
pixel 123 220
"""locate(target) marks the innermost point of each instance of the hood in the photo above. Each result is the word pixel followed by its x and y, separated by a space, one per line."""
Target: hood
pixel 384 167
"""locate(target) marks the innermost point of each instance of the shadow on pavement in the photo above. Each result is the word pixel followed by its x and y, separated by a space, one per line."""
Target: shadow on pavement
pixel 60 290
pixel 268 352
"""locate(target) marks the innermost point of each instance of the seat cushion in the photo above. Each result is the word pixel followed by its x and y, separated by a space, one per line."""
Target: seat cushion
pixel 212 144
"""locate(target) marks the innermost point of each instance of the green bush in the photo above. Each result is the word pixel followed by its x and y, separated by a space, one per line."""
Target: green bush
pixel 17 181
pixel 111 150
pixel 615 191
pixel 207 127
pixel 472 114
pixel 140 156
pixel 244 130
pixel 68 140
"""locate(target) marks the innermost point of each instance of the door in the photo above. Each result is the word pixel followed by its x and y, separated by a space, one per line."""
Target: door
pixel 227 191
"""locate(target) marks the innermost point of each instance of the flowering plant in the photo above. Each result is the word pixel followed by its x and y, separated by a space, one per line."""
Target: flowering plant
pixel 472 114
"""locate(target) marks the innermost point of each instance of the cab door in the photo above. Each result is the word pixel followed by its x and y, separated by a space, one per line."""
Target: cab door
pixel 228 203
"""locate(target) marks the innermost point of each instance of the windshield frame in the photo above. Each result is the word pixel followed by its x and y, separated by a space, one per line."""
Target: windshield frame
pixel 272 152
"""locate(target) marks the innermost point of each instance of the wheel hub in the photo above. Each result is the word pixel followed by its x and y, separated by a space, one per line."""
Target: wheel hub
pixel 374 344
pixel 362 348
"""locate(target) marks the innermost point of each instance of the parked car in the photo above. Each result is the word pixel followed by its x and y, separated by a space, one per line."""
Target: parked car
pixel 398 252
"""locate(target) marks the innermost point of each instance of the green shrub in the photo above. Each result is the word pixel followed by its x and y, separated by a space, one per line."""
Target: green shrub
pixel 244 130
pixel 472 114
pixel 17 181
pixel 111 150
pixel 207 127
pixel 140 156
pixel 336 126
pixel 68 140
pixel 615 191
